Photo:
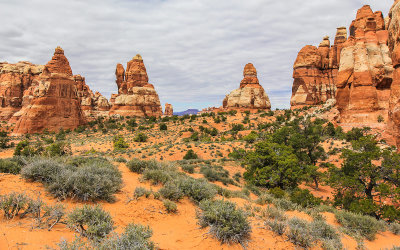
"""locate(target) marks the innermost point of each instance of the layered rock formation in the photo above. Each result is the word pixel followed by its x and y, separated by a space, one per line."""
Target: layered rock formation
pixel 136 96
pixel 169 110
pixel 394 46
pixel 51 102
pixel 357 71
pixel 92 104
pixel 14 80
pixel 365 72
pixel 315 71
pixel 250 94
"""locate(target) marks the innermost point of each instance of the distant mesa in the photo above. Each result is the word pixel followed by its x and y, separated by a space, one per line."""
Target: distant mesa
pixel 187 112
pixel 250 95
pixel 136 96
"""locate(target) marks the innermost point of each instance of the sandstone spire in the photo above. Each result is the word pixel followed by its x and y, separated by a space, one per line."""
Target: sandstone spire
pixel 136 96
pixel 53 101
pixel 250 94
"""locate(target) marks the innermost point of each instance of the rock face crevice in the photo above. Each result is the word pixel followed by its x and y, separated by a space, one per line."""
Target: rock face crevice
pixel 51 102
pixel 250 94
pixel 136 96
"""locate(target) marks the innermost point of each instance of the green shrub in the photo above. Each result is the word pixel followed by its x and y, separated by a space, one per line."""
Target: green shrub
pixel 157 176
pixel 43 170
pixel 362 225
pixel 24 148
pixel 395 228
pixel 278 227
pixel 275 213
pixel 237 154
pixel 138 166
pixel 227 223
pixel 58 149
pixel 90 181
pixel 277 192
pixel 190 154
pixel 273 165
pixel 135 237
pixel 251 138
pixel 13 203
pixel 355 134
pixel 120 160
pixel 120 143
pixel 141 191
pixel 304 198
pixel 197 189
pixel 10 166
pixel 216 173
pixel 163 126
pixel 90 221
pixel 265 198
pixel 285 204
pixel 140 137
pixel 299 233
pixel 320 230
pixel 4 139
pixel 237 127
pixel 53 214
pixel 82 160
pixel 188 168
pixel 170 206
pixel 171 191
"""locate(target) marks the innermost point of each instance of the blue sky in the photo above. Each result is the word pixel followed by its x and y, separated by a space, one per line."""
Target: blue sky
pixel 194 51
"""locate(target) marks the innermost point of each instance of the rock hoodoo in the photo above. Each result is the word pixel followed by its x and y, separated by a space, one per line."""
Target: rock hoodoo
pixel 51 102
pixel 136 97
pixel 315 71
pixel 250 94
pixel 356 71
pixel 365 72
pixel 169 110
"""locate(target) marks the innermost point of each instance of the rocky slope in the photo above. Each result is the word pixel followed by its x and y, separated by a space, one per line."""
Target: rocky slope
pixel 250 94
pixel 51 102
pixel 136 96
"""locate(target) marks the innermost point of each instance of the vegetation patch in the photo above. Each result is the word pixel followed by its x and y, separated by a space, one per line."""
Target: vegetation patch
pixel 227 223
pixel 86 179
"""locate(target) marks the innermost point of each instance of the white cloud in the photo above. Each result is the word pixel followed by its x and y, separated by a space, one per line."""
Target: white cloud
pixel 194 51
